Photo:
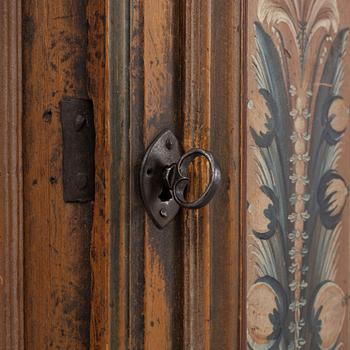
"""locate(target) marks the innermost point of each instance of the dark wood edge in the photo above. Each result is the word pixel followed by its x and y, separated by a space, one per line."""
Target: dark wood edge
pixel 111 322
pixel 243 177
pixel 118 100
pixel 11 206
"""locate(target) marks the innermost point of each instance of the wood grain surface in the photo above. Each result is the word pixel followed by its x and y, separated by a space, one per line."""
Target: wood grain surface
pixel 101 275
pixel 211 107
pixel 57 274
pixel 11 202
pixel 100 250
pixel 155 106
pixel 146 263
pixel 177 67
pixel 178 287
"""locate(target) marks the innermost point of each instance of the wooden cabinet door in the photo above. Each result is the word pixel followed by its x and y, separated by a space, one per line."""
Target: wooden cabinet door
pixel 262 85
pixel 176 65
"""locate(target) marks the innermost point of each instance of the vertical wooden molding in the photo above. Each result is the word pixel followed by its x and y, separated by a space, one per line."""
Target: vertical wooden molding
pixel 117 98
pixel 211 107
pixel 100 261
pixel 179 287
pixel 11 213
pixel 196 133
pixel 146 263
pixel 243 175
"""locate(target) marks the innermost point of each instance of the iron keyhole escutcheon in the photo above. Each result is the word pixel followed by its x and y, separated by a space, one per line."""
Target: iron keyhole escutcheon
pixel 164 178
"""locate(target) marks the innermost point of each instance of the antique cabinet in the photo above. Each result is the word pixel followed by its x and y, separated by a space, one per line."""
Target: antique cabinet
pixel 261 84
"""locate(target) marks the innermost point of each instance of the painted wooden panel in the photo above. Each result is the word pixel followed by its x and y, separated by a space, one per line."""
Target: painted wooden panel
pixel 297 229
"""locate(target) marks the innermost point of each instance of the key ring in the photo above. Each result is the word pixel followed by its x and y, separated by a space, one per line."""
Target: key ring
pixel 182 179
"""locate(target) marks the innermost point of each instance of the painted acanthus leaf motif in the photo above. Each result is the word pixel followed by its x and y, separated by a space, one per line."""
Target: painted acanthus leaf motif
pixel 280 11
pixel 265 211
pixel 332 196
pixel 266 333
pixel 322 14
pixel 296 212
pixel 328 315
pixel 304 18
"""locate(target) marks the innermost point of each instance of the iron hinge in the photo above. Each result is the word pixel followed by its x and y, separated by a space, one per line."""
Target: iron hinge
pixel 78 149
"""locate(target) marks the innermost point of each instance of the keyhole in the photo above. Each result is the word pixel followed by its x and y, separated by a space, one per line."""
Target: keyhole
pixel 165 195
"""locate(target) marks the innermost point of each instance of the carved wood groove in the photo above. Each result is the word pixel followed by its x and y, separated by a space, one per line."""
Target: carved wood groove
pixel 11 202
pixel 211 109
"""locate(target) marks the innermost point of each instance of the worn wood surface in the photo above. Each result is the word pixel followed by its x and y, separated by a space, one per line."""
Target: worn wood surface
pixel 118 42
pixel 102 275
pixel 57 275
pixel 226 143
pixel 154 72
pixel 11 202
pixel 146 263
pixel 100 253
pixel 178 287
pixel 196 99
pixel 211 106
